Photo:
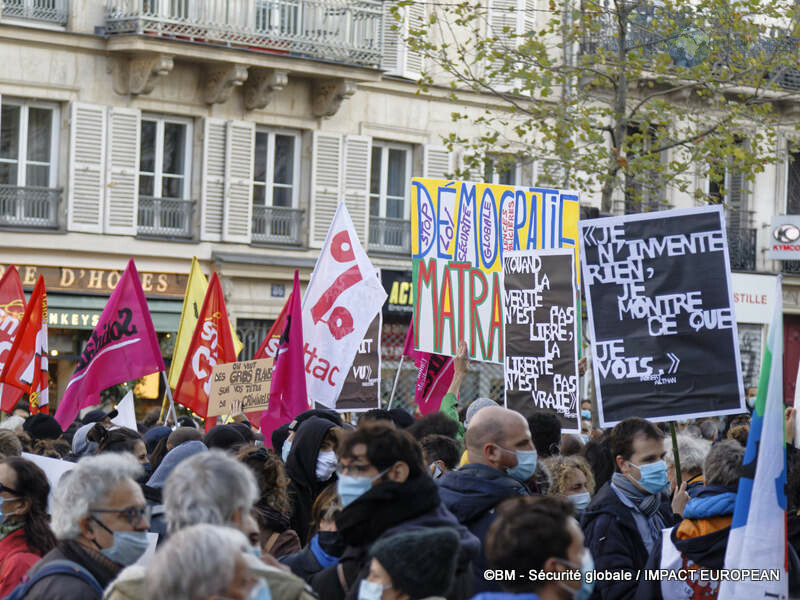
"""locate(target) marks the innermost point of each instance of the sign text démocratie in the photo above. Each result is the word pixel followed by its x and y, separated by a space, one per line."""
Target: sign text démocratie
pixel 99 281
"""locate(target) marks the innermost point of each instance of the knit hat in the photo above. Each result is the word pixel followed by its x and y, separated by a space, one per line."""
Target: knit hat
pixel 476 405
pixel 42 427
pixel 422 562
pixel 223 437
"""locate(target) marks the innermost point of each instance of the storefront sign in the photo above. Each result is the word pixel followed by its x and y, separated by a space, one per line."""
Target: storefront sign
pixel 753 296
pixel 99 281
pixel 784 237
pixel 400 290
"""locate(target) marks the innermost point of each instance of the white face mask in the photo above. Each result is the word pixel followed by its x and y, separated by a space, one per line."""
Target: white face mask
pixel 326 465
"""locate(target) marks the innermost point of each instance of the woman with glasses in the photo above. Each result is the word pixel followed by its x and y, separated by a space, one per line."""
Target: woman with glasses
pixel 25 534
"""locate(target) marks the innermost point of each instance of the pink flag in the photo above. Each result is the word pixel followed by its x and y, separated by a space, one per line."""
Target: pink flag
pixel 408 346
pixel 123 346
pixel 287 395
pixel 434 377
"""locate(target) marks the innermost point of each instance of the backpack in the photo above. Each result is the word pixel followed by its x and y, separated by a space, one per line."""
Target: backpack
pixel 56 567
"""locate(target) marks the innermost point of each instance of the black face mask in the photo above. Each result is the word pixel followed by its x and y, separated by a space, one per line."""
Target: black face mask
pixel 148 471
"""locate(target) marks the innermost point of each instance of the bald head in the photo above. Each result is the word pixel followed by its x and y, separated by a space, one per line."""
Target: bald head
pixel 495 426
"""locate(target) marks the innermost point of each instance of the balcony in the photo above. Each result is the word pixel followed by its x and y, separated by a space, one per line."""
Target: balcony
pixel 30 206
pixel 165 217
pixel 742 249
pixel 342 31
pixel 48 11
pixel 389 235
pixel 277 225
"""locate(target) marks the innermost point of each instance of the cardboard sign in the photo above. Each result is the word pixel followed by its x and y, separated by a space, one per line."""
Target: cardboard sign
pixel 362 386
pixel 661 315
pixel 459 234
pixel 541 354
pixel 240 387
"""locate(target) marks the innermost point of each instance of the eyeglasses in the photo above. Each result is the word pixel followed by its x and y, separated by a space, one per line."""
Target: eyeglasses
pixel 5 488
pixel 352 469
pixel 133 514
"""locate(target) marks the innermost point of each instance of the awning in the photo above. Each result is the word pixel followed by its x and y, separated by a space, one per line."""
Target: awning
pixel 70 311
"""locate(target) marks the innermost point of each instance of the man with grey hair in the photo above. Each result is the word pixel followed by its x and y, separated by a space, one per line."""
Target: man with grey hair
pixel 205 561
pixel 214 489
pixel 99 517
pixel 699 541
pixel 501 459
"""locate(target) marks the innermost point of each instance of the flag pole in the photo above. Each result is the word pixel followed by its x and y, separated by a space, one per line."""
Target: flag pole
pixel 396 377
pixel 675 453
pixel 168 396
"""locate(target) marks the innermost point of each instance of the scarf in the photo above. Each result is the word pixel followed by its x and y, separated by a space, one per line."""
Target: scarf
pixel 647 503
pixel 384 506
pixel 6 529
pixel 704 507
pixel 323 558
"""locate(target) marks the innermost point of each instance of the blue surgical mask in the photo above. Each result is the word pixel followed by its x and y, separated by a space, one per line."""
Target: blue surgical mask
pixel 350 487
pixel 287 445
pixel 3 514
pixel 654 476
pixel 586 589
pixel 586 414
pixel 260 592
pixel 526 465
pixel 129 546
pixel 369 590
pixel 585 438
pixel 255 550
pixel 580 501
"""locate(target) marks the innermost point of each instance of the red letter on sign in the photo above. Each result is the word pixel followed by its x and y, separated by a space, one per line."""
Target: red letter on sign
pixel 341 248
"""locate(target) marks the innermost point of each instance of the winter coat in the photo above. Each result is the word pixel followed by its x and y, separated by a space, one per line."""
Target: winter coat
pixel 15 560
pixel 387 509
pixel 68 587
pixel 471 493
pixel 614 541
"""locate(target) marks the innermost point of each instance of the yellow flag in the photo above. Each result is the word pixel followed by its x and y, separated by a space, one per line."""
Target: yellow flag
pixel 192 303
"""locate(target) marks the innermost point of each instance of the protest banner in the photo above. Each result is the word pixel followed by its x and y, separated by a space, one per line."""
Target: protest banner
pixel 362 386
pixel 661 316
pixel 342 298
pixel 126 413
pixel 240 387
pixel 459 233
pixel 541 353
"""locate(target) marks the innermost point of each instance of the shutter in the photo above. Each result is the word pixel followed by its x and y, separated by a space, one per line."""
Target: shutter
pixel 238 182
pixel 503 24
pixel 122 175
pixel 357 154
pixel 326 164
pixel 392 40
pixel 397 58
pixel 527 17
pixel 474 174
pixel 736 201
pixel 212 194
pixel 87 140
pixel 437 162
pixel 415 60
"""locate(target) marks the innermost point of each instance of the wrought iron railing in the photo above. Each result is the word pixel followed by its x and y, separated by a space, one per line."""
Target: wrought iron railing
pixel 742 249
pixel 389 235
pixel 344 31
pixel 30 206
pixel 49 11
pixel 277 225
pixel 165 217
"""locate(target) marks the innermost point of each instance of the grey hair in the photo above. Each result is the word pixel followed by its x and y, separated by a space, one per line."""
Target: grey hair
pixel 196 563
pixel 692 453
pixel 88 484
pixel 209 487
pixel 9 444
pixel 724 463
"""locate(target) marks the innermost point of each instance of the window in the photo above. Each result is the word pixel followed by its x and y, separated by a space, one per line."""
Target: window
pixel 793 183
pixel 738 219
pixel 275 169
pixel 504 173
pixel 389 177
pixel 28 144
pixel 165 160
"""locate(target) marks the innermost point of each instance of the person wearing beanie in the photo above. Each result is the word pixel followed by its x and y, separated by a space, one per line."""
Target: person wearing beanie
pixel 224 437
pixel 416 565
pixel 42 427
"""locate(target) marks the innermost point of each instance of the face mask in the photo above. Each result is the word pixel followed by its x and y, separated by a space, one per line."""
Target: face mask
pixel 526 465
pixel 260 592
pixel 654 476
pixel 3 514
pixel 586 414
pixel 128 547
pixel 586 589
pixel 751 401
pixel 326 465
pixel 369 590
pixel 255 551
pixel 435 470
pixel 580 501
pixel 350 487
pixel 585 438
pixel 287 445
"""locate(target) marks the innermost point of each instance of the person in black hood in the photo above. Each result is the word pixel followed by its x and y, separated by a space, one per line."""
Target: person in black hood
pixel 282 437
pixel 311 466
pixel 501 458
pixel 385 490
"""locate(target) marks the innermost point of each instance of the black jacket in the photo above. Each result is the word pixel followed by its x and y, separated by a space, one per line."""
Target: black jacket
pixel 471 493
pixel 304 563
pixel 614 541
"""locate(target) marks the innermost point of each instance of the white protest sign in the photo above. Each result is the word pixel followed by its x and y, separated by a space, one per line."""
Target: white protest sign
pixel 53 468
pixel 126 416
pixel 341 300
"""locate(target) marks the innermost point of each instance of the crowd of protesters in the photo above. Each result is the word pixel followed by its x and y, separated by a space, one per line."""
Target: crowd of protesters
pixel 387 508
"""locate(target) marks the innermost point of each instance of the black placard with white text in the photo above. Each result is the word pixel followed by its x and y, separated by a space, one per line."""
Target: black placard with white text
pixel 362 386
pixel 661 317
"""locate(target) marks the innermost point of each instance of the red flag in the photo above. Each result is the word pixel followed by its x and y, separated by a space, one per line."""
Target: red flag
pixel 123 346
pixel 433 379
pixel 12 309
pixel 26 366
pixel 287 394
pixel 212 344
